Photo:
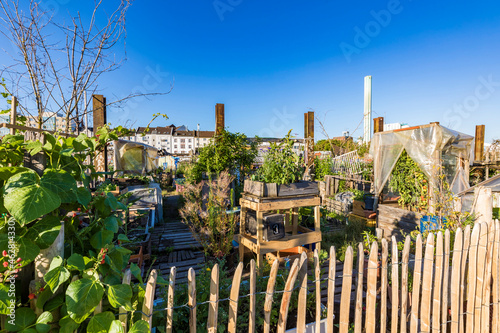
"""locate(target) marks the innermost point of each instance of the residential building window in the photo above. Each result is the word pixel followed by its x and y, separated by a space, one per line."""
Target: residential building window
pixel 189 145
pixel 175 146
pixel 175 140
pixel 183 146
pixel 189 140
pixel 183 140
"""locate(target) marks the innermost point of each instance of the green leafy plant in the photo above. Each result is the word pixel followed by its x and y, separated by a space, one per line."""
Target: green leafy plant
pixel 410 182
pixel 322 168
pixel 281 165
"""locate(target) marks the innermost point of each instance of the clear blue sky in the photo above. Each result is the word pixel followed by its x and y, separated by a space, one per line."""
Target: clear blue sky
pixel 271 61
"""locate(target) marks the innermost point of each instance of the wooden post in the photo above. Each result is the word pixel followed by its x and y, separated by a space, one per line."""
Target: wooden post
pixel 479 143
pixel 483 204
pixel 13 114
pixel 308 141
pixel 219 118
pixel 99 114
pixel 378 124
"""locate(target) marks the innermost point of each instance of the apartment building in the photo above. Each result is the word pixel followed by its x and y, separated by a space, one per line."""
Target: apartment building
pixel 172 139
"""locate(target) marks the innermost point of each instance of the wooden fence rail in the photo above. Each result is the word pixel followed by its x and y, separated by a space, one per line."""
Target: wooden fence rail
pixel 422 287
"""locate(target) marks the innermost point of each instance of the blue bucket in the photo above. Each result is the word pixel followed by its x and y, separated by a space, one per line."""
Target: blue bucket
pixel 428 222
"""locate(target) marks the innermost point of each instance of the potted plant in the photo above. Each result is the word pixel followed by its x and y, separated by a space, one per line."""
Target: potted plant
pixel 281 173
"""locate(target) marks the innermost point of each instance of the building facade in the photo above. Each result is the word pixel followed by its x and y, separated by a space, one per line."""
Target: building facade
pixel 173 140
pixel 52 121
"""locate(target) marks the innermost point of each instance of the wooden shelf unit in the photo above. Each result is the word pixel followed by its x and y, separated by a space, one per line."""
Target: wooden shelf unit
pixel 295 235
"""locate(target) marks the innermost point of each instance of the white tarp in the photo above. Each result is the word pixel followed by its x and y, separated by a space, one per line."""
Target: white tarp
pixel 135 157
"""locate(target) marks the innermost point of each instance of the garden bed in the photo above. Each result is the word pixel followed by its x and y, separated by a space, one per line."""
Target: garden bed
pixel 393 219
pixel 262 189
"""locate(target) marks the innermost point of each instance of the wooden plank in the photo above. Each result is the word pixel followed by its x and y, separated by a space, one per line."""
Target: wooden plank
pixel 495 270
pixel 331 290
pixel 281 203
pixel 345 301
pixel 149 297
pixel 394 285
pixel 170 300
pixel 404 283
pixel 371 287
pixel 463 286
pixel 417 275
pixel 471 287
pixel 253 281
pixel 213 307
pixel 383 287
pixel 302 301
pixel 446 286
pixel 438 283
pixel 317 275
pixel 455 282
pixel 359 291
pixel 485 310
pixel 233 298
pixel 295 220
pixel 192 300
pixel 425 308
pixel 480 274
pixel 287 294
pixel 123 312
pixel 268 304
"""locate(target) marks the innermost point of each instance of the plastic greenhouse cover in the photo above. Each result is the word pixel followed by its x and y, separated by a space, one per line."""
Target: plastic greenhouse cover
pixel 135 157
pixel 421 143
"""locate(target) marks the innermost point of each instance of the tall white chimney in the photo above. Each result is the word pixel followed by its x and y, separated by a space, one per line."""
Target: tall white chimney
pixel 367 134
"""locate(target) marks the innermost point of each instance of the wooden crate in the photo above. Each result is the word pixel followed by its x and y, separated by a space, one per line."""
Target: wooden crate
pixel 290 254
pixel 261 189
pixel 358 208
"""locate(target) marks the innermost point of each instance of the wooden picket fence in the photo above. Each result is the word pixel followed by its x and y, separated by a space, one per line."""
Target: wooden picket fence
pixel 455 288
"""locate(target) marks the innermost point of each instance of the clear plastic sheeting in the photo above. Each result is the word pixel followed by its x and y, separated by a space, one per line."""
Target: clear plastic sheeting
pixel 135 157
pixel 427 145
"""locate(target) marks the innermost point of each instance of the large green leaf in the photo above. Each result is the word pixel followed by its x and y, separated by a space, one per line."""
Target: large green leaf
pixel 26 199
pixel 76 262
pixel 60 182
pixel 100 323
pixel 24 318
pixel 116 327
pixel 43 297
pixel 119 295
pixel 54 303
pixel 67 325
pixel 4 299
pixel 83 195
pixel 56 276
pixel 101 238
pixel 27 251
pixel 7 172
pixel 111 224
pixel 42 323
pixel 82 296
pixel 139 326
pixel 45 231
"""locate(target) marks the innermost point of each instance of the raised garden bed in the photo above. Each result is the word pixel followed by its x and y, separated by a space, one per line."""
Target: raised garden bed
pixel 262 189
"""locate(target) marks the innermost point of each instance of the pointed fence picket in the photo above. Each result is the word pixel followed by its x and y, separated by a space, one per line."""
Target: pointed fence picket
pixel 453 291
